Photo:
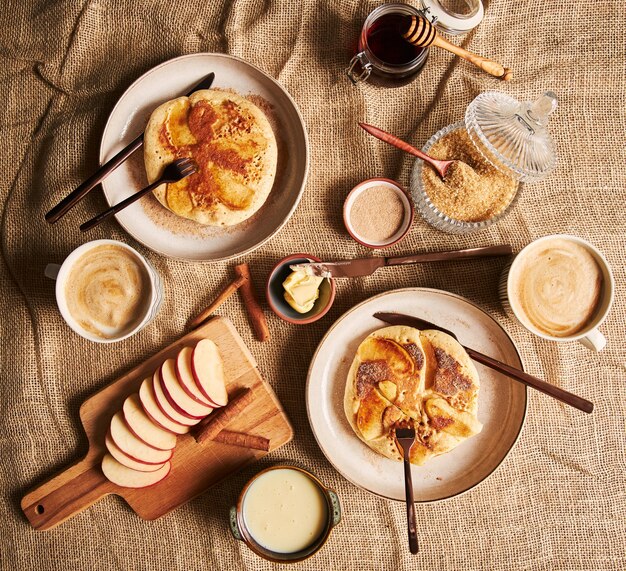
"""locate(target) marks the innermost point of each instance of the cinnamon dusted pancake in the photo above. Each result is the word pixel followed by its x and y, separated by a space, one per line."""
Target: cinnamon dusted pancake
pixel 234 146
pixel 403 376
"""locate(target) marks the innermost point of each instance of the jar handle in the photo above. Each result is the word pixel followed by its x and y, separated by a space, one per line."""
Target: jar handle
pixel 234 526
pixel 359 60
pixel 336 507
pixel 542 107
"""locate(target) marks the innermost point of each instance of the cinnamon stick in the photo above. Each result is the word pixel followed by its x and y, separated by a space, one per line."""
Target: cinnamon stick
pixel 243 440
pixel 229 290
pixel 221 418
pixel 255 313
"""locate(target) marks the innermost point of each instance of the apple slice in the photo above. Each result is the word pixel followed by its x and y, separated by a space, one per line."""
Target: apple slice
pixel 143 427
pixel 185 377
pixel 164 404
pixel 208 372
pixel 134 447
pixel 127 461
pixel 177 397
pixel 153 410
pixel 129 478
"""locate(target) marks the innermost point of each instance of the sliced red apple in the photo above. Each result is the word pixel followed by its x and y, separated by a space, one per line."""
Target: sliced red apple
pixel 208 371
pixel 134 447
pixel 126 460
pixel 185 377
pixel 143 427
pixel 153 410
pixel 129 478
pixel 177 397
pixel 164 404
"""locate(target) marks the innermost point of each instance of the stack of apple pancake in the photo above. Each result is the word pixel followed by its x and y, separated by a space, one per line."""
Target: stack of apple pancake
pixel 401 376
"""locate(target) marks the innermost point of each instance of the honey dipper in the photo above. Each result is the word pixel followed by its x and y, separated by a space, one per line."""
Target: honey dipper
pixel 421 33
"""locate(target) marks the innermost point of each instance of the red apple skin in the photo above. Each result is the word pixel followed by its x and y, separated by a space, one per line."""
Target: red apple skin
pixel 170 400
pixel 199 384
pixel 151 485
pixel 206 401
pixel 158 374
pixel 156 421
pixel 129 456
pixel 137 459
pixel 139 437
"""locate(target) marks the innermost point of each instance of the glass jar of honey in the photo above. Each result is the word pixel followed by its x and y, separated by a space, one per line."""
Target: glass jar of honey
pixel 384 57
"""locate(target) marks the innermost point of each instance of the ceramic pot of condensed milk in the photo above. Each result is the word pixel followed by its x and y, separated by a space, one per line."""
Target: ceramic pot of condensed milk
pixel 285 514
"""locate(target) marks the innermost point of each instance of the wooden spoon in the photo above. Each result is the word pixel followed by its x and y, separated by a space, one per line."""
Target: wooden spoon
pixel 440 166
pixel 421 33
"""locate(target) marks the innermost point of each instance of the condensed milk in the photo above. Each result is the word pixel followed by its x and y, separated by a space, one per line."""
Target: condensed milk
pixel 285 511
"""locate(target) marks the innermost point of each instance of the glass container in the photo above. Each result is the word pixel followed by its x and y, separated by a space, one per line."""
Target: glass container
pixel 384 57
pixel 454 17
pixel 511 135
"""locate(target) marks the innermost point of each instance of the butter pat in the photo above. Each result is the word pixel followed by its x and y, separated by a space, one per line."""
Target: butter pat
pixel 301 291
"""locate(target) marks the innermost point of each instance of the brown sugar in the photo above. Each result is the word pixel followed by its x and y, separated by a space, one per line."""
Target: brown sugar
pixel 473 190
pixel 377 214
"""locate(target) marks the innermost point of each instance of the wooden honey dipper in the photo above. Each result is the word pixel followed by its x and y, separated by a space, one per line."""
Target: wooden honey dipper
pixel 422 33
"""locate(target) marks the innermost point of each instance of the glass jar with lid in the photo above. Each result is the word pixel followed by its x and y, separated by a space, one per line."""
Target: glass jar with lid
pixel 509 141
pixel 454 17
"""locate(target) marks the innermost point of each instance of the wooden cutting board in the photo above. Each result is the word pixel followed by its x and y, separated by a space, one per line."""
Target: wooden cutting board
pixel 195 467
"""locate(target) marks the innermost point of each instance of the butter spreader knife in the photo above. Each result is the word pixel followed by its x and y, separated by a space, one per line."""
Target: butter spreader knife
pixel 74 197
pixel 517 374
pixel 367 266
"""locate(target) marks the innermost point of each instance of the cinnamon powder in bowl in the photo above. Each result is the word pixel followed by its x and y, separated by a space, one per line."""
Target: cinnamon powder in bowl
pixel 377 213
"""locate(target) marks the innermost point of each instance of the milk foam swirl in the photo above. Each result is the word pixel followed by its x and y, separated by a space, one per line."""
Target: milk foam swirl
pixel 107 291
pixel 556 287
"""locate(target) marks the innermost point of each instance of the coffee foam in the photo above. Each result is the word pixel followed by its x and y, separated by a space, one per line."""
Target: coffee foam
pixel 555 287
pixel 108 291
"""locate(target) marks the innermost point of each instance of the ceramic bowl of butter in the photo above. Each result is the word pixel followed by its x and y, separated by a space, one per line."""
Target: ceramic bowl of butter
pixel 296 297
pixel 285 514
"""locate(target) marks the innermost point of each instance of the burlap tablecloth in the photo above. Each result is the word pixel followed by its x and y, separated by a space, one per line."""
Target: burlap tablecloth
pixel 557 502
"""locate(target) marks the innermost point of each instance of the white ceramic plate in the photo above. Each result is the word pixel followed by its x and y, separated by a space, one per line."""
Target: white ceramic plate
pixel 166 233
pixel 501 405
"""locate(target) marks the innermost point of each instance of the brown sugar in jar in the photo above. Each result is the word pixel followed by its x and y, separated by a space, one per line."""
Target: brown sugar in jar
pixel 473 190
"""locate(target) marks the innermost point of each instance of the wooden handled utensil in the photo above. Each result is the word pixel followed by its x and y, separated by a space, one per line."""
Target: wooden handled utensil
pixel 72 199
pixel 530 381
pixel 406 439
pixel 420 32
pixel 173 172
pixel 440 166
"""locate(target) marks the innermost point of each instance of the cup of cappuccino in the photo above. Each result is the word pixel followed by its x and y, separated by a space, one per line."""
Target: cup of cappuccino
pixel 106 291
pixel 560 288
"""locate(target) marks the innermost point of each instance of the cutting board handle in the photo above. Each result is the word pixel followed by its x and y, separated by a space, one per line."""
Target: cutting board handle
pixel 66 494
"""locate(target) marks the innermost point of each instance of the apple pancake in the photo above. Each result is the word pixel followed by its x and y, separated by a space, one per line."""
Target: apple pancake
pixel 234 146
pixel 401 376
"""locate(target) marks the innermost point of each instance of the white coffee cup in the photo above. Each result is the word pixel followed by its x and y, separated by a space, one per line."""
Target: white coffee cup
pixel 589 336
pixel 61 273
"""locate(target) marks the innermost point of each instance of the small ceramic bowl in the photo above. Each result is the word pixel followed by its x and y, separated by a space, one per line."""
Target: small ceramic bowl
pixel 406 202
pixel 240 531
pixel 275 292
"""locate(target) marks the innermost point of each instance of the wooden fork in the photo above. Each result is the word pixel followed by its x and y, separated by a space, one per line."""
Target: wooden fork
pixel 406 438
pixel 173 172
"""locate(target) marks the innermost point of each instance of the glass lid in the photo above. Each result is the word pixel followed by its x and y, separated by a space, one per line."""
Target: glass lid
pixel 454 16
pixel 513 135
